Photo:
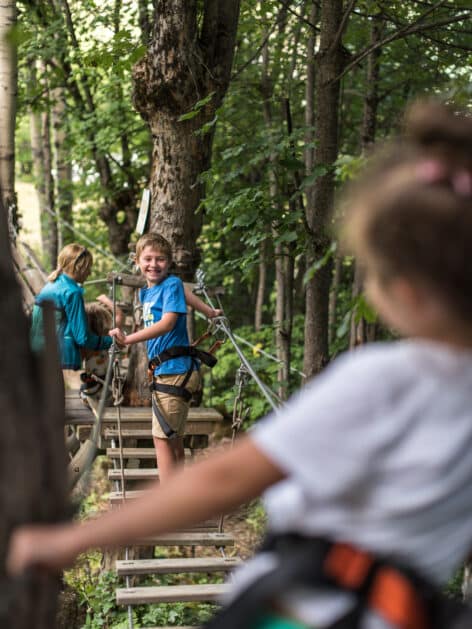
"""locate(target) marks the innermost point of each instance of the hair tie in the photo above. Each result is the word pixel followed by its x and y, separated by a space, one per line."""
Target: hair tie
pixel 431 171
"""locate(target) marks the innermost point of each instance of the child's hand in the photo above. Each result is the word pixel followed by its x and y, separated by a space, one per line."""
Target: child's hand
pixel 47 547
pixel 106 301
pixel 119 335
pixel 214 312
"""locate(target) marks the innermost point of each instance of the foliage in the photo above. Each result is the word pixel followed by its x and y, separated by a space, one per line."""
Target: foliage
pixel 220 390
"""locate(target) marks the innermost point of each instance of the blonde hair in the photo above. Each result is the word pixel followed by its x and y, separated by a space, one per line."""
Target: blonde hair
pixel 410 214
pixel 74 260
pixel 155 241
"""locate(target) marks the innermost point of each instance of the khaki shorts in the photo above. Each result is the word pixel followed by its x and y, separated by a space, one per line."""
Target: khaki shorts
pixel 174 409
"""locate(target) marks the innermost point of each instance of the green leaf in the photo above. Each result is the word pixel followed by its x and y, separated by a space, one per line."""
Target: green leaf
pixel 319 264
pixel 196 108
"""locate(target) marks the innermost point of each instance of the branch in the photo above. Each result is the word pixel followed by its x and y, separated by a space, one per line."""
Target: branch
pixel 302 18
pixel 416 27
pixel 342 26
pixel 259 49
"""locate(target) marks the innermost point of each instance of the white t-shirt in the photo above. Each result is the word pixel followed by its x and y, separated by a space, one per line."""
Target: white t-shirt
pixel 378 452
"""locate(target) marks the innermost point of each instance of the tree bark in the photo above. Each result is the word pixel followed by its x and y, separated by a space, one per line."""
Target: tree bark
pixel 261 285
pixel 8 90
pixel 63 168
pixel 32 454
pixel 360 330
pixel 49 227
pixel 329 62
pixel 183 66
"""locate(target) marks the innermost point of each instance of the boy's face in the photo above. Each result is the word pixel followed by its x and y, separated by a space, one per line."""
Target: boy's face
pixel 154 265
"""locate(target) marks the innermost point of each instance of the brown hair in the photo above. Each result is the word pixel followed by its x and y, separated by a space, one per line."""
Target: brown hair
pixel 157 242
pixel 74 260
pixel 410 214
pixel 99 318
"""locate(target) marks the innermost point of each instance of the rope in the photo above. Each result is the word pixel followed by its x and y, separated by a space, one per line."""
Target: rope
pixel 221 323
pixel 255 348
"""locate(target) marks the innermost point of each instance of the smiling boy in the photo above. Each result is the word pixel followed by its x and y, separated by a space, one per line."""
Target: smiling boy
pixel 175 371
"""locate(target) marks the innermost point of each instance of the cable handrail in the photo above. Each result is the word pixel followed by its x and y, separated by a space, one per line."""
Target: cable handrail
pixel 222 323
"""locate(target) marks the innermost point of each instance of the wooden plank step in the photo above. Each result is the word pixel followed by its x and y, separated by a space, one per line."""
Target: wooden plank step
pixel 138 414
pixel 134 474
pixel 171 594
pixel 203 538
pixel 142 431
pixel 138 453
pixel 176 565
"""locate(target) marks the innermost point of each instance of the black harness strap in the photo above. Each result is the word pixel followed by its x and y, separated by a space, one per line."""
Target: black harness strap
pixel 302 561
pixel 171 389
pixel 167 430
pixel 183 350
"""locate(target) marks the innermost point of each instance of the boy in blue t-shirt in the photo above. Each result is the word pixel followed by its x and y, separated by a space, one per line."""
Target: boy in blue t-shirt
pixel 175 373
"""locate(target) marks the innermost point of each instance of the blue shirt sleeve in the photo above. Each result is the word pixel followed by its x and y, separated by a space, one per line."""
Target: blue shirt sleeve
pixel 78 327
pixel 173 297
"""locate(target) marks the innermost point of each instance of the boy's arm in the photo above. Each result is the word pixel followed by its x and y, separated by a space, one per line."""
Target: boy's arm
pixel 193 494
pixel 163 326
pixel 197 304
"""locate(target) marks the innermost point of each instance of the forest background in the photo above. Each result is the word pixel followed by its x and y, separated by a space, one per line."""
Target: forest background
pixel 243 119
pixel 310 86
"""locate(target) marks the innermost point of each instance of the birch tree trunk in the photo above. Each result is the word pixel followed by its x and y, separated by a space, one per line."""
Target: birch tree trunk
pixel 8 92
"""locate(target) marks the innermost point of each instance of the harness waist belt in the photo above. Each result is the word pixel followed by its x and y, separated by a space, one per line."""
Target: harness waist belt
pixel 180 351
pixel 400 596
pixel 171 389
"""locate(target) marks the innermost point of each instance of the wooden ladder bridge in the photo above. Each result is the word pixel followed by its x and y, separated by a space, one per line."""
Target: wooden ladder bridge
pixel 140 466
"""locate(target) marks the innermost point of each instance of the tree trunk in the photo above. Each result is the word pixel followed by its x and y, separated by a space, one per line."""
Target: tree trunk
pixel 63 169
pixel 283 257
pixel 333 298
pixel 189 61
pixel 49 226
pixel 32 453
pixel 320 197
pixel 42 168
pixel 182 67
pixel 361 330
pixel 8 90
pixel 261 285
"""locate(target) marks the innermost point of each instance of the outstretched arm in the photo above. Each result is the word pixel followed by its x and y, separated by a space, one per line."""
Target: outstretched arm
pixel 200 491
pixel 197 304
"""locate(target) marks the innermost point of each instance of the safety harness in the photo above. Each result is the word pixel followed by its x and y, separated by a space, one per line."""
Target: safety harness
pixel 175 390
pixel 396 593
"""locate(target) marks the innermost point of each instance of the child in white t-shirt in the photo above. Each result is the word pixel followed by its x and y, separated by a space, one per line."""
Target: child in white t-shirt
pixel 376 450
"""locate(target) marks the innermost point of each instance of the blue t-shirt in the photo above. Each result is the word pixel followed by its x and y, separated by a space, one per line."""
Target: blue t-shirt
pixel 167 296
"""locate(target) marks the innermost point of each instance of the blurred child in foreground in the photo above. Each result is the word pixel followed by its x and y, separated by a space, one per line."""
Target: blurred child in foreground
pixel 376 450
